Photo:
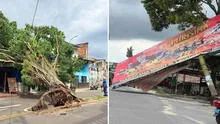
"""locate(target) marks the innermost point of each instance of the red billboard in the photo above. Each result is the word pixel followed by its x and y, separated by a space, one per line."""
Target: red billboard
pixel 184 46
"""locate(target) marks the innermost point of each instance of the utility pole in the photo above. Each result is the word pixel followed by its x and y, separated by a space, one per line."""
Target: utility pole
pixel 207 76
pixel 5 79
pixel 176 83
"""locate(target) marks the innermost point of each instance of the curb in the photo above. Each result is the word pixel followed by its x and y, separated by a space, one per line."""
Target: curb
pixel 166 96
pixel 13 115
pixel 26 110
pixel 67 108
pixel 8 95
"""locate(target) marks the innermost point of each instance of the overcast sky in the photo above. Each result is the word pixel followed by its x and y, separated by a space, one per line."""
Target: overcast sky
pixel 129 25
pixel 85 18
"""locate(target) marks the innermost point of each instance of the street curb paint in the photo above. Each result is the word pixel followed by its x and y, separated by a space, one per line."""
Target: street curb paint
pixel 26 110
pixel 13 115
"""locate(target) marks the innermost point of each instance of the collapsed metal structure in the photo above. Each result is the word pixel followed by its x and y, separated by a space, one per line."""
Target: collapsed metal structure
pixel 152 66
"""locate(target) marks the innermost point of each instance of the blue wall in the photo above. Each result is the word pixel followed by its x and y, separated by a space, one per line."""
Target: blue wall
pixel 83 72
pixel 12 72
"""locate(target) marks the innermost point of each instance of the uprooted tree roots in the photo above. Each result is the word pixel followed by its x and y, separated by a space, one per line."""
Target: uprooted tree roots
pixel 58 96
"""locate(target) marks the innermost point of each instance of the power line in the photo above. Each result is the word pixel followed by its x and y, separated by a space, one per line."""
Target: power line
pixel 35 13
pixel 73 38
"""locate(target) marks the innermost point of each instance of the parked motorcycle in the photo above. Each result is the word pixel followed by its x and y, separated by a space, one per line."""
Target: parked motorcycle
pixel 216 103
pixel 94 87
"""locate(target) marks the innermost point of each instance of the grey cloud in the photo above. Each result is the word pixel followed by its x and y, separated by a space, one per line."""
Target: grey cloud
pixel 129 20
pixel 99 50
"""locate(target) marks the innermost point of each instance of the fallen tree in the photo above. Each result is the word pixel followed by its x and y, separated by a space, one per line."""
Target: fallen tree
pixel 43 73
pixel 44 58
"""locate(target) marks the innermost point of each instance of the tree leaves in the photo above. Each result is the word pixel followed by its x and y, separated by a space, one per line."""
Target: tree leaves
pixel 6 31
pixel 184 13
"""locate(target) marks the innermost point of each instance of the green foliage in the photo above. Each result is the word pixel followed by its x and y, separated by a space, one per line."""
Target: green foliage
pixel 129 52
pixel 184 13
pixel 36 43
pixel 7 30
pixel 67 63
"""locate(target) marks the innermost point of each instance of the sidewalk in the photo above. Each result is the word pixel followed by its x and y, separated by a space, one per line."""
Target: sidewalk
pixel 2 95
pixel 86 93
pixel 82 93
pixel 173 96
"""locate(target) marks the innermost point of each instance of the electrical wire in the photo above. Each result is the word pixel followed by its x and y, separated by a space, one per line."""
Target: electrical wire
pixel 35 11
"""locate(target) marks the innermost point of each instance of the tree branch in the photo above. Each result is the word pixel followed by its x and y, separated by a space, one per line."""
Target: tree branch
pixel 7 56
pixel 7 61
pixel 218 6
pixel 209 3
pixel 56 59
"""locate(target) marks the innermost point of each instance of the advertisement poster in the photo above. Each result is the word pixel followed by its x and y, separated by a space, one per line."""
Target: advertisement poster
pixel 198 40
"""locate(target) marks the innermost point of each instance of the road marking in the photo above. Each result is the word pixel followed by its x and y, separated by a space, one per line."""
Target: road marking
pixel 194 120
pixel 27 109
pixel 2 109
pixel 188 102
pixel 13 115
pixel 168 109
pixel 10 106
pixel 199 110
pixel 185 101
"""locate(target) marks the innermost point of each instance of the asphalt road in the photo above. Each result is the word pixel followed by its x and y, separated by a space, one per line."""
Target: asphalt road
pixel 93 113
pixel 134 108
pixel 15 105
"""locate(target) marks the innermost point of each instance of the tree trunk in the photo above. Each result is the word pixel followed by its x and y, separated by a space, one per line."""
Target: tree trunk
pixel 207 76
pixel 58 95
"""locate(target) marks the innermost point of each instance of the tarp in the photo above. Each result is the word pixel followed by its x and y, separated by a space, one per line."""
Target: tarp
pixel 182 47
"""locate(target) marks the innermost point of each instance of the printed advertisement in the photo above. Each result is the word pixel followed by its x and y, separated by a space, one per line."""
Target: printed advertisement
pixel 184 46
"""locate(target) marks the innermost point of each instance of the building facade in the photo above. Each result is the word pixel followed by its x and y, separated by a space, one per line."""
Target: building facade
pixel 93 72
pixel 98 72
pixel 82 77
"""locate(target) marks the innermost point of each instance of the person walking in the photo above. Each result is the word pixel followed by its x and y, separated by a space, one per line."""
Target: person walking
pixel 105 87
